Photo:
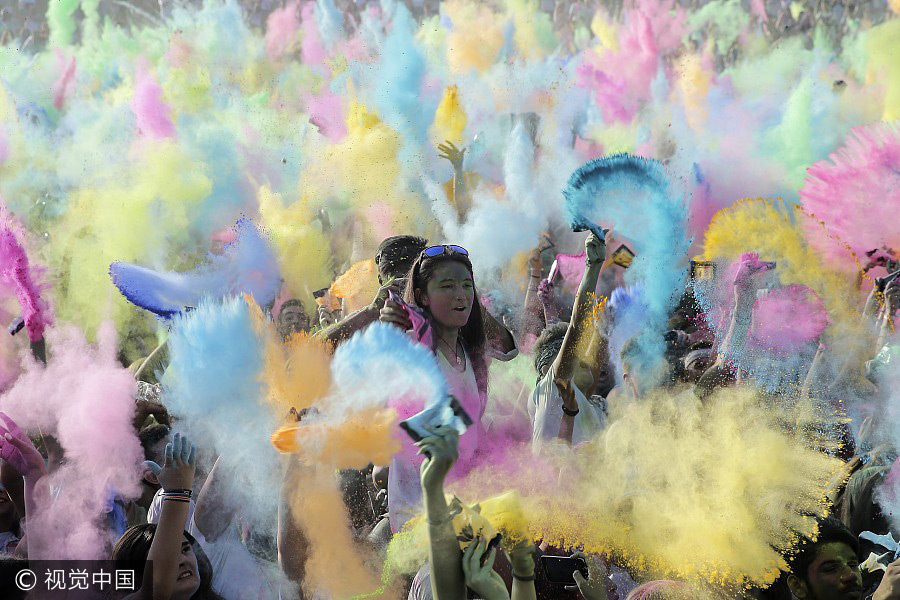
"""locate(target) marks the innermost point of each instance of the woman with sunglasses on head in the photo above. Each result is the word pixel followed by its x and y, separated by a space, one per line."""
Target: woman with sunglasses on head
pixel 464 338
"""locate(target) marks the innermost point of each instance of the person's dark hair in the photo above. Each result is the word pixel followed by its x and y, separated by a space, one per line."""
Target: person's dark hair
pixel 472 333
pixel 547 345
pixel 10 566
pixel 291 302
pixel 396 255
pixel 150 436
pixel 830 530
pixel 133 548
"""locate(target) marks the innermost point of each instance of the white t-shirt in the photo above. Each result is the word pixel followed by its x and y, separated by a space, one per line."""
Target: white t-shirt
pixel 545 410
pixel 404 487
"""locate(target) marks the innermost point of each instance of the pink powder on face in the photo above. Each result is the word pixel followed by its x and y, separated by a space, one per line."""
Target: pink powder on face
pixel 151 113
pixel 788 318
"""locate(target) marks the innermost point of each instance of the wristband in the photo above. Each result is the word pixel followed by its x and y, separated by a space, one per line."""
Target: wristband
pixel 180 492
pixel 570 413
pixel 176 499
pixel 524 578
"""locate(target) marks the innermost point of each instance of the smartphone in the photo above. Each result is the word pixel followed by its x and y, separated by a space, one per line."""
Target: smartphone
pixel 561 569
pixel 554 271
pixel 623 256
pixel 882 282
pixel 703 270
pixel 447 413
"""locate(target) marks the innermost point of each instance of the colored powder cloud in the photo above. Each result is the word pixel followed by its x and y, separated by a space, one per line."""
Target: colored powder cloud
pixel 85 399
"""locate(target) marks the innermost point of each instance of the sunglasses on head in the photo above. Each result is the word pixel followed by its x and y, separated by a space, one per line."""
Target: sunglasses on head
pixel 433 251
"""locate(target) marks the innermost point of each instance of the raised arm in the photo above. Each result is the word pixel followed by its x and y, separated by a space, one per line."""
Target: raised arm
pixel 444 556
pixel 564 364
pixel 346 327
pixel 17 450
pixel 176 478
pixel 744 298
pixel 533 321
pixel 456 156
pixel 213 512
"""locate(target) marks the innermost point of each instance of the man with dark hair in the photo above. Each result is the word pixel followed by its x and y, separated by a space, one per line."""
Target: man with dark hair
pixel 827 568
pixel 292 318
pixel 393 258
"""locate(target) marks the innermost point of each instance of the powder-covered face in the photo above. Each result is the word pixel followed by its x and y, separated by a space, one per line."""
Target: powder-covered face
pixel 188 575
pixel 292 319
pixel 450 294
pixel 833 575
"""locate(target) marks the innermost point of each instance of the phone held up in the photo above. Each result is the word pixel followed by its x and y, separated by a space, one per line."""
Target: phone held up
pixel 561 569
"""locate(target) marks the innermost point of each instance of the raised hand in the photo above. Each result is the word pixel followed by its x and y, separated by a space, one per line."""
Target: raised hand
pixel 449 151
pixel 393 313
pixel 479 571
pixel 16 449
pixel 181 461
pixel 595 249
pixel 597 585
pixel 394 285
pixel 441 449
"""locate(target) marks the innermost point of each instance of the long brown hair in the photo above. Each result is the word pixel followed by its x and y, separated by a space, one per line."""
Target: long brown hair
pixel 472 333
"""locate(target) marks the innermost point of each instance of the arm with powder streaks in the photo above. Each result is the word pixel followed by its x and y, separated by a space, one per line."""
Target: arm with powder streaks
pixel 345 328
pixel 169 541
pixel 564 364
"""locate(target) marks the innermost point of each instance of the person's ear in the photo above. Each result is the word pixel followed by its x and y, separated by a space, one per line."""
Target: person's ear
pixel 150 471
pixel 421 297
pixel 797 587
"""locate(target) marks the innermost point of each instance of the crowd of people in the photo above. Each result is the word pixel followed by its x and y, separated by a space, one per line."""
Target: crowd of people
pixel 180 510
pixel 446 369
